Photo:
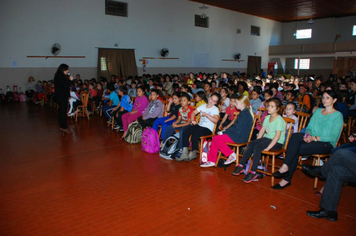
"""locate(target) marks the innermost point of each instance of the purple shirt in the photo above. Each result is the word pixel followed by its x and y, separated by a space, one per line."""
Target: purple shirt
pixel 140 104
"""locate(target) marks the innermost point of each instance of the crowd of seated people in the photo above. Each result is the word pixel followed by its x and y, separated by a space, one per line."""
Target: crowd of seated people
pixel 226 106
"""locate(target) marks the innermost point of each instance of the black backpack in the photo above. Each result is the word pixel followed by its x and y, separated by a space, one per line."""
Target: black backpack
pixel 170 148
pixel 312 102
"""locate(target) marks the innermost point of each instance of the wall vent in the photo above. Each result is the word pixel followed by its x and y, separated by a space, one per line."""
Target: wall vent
pixel 201 22
pixel 115 8
pixel 255 30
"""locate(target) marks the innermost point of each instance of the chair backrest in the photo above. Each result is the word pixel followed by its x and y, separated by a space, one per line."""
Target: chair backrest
pixel 301 105
pixel 289 128
pixel 303 119
pixel 255 118
pixel 192 102
pixel 260 112
pixel 343 129
pixel 133 99
pixel 165 105
pixel 84 97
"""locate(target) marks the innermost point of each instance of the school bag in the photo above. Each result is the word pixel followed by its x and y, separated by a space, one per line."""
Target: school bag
pixel 261 166
pixel 170 147
pixel 134 133
pixel 312 102
pixel 150 141
pixel 22 97
pixel 205 151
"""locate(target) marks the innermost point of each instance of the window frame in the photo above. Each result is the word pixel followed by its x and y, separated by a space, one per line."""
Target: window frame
pixel 304 35
pixel 302 61
pixel 354 30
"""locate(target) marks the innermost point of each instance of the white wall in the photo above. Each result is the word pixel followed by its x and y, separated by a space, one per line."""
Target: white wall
pixel 31 27
pixel 323 30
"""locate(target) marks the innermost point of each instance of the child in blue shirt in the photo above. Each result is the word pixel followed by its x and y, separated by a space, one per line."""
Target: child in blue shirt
pixel 123 107
pixel 113 101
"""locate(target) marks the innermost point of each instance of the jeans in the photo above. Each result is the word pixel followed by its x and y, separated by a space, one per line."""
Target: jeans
pixel 256 147
pixel 349 146
pixel 297 147
pixel 164 125
pixel 107 111
pixel 196 131
pixel 341 167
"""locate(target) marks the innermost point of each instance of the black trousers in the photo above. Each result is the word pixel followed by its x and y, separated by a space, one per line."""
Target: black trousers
pixel 196 131
pixel 297 147
pixel 256 147
pixel 62 113
pixel 118 119
pixel 339 168
pixel 145 123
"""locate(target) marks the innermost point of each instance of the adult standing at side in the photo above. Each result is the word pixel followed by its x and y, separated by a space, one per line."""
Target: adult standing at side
pixel 62 80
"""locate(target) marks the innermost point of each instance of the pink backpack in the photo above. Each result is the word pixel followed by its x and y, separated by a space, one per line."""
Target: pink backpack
pixel 22 97
pixel 150 141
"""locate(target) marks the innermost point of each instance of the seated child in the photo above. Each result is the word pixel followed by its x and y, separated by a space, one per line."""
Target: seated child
pixel 132 90
pixel 200 98
pixel 225 101
pixel 238 133
pixel 172 108
pixel 140 104
pixel 183 121
pixel 289 111
pixel 229 117
pixel 124 106
pixel 255 98
pixel 270 137
pixel 209 116
pixel 74 102
pixel 290 97
pixel 153 111
pixel 112 101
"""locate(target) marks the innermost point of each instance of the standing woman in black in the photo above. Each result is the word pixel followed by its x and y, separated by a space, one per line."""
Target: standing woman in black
pixel 62 80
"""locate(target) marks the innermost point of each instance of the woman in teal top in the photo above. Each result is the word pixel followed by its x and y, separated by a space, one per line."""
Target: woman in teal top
pixel 321 136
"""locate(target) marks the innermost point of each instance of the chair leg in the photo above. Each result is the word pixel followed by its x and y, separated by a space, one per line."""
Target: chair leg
pixel 316 178
pixel 273 165
pixel 237 156
pixel 217 160
pixel 76 115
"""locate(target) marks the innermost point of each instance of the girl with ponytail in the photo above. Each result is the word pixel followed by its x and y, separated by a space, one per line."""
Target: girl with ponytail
pixel 237 133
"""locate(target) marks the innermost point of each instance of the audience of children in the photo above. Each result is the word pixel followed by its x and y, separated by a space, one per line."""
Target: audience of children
pixel 153 111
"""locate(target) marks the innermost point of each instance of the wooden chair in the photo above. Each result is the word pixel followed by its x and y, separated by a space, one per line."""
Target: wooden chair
pixel 237 146
pixel 82 110
pixel 301 106
pixel 303 119
pixel 318 157
pixel 351 125
pixel 266 154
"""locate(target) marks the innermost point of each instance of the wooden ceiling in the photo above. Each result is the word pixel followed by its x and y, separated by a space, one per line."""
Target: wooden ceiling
pixel 287 10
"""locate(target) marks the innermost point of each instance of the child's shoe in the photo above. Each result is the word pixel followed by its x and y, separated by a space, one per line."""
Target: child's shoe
pixel 238 170
pixel 231 159
pixel 249 177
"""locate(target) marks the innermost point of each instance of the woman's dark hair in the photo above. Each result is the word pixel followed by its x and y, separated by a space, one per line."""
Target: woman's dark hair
pixel 123 89
pixel 332 94
pixel 201 94
pixel 277 102
pixel 62 68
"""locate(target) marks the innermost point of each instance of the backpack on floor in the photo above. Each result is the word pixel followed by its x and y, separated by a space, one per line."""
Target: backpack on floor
pixel 150 141
pixel 261 166
pixel 22 97
pixel 170 147
pixel 134 133
pixel 205 152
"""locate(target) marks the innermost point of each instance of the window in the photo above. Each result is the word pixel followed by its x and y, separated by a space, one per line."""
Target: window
pixel 202 21
pixel 103 64
pixel 115 8
pixel 255 30
pixel 354 31
pixel 303 64
pixel 304 34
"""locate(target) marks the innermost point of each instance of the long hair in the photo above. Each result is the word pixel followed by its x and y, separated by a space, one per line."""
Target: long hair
pixel 246 101
pixel 332 94
pixel 62 68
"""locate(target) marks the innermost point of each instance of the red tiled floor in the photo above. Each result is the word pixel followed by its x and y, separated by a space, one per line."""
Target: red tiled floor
pixel 90 183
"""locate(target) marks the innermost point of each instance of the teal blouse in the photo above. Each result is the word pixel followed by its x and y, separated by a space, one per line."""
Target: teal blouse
pixel 327 127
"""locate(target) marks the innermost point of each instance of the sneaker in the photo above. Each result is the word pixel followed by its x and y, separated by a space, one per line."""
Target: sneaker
pixel 238 170
pixel 121 129
pixel 304 158
pixel 249 177
pixel 117 127
pixel 109 122
pixel 71 114
pixel 208 164
pixel 231 159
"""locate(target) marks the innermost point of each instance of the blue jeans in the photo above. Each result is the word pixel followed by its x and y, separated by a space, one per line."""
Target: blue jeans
pixel 170 131
pixel 164 125
pixel 349 146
